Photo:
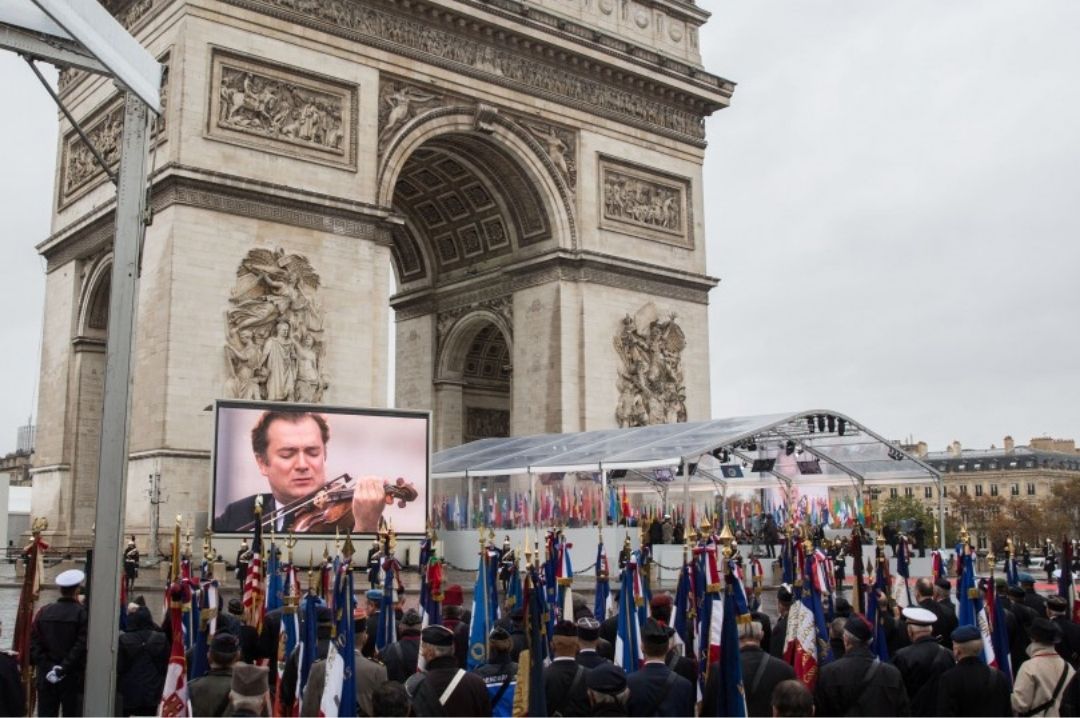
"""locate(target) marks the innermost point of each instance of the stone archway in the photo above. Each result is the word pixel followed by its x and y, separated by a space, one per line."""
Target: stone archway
pixel 475 194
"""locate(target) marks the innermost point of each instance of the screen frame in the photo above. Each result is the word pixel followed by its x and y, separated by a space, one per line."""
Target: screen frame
pixel 328 409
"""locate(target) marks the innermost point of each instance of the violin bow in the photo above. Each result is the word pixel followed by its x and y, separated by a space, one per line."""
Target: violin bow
pixel 292 507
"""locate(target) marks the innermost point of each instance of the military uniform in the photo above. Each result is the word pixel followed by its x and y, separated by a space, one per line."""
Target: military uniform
pixel 469 698
pixel 921 665
pixel 58 641
pixel 590 658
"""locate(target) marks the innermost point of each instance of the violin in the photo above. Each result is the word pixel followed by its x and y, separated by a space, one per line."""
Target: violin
pixel 329 507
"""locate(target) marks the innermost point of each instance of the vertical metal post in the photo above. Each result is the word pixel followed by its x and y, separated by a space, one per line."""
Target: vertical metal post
pixel 941 512
pixel 112 463
pixel 684 470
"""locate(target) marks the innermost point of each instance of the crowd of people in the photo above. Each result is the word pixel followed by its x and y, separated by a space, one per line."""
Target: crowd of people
pixel 935 666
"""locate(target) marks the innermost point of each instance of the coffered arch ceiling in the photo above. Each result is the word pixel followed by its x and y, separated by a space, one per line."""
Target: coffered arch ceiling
pixel 465 201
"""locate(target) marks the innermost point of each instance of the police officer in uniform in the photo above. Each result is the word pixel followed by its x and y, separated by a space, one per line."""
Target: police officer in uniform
pixel 58 649
pixel 444 688
pixel 499 673
pixel 922 663
pixel 656 690
pixel 859 683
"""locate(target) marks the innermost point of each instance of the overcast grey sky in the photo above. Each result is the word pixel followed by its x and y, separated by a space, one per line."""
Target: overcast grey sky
pixel 891 205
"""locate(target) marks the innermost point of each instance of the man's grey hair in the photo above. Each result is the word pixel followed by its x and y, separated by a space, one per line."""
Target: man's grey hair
pixel 751 631
pixel 440 651
pixel 969 649
pixel 853 639
pixel 254 704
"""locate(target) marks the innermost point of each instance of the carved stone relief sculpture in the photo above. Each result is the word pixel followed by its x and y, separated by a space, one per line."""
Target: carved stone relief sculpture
pixel 650 381
pixel 80 170
pixel 560 146
pixel 399 102
pixel 282 110
pixel 274 348
pixel 644 203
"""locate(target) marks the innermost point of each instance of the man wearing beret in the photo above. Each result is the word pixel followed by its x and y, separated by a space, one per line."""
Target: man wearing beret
pixel 859 683
pixel 1032 599
pixel 444 688
pixel 922 663
pixel 588 634
pixel 1057 610
pixel 250 691
pixel 656 690
pixel 453 617
pixel 660 609
pixel 499 673
pixel 208 695
pixel 972 688
pixel 564 679
pixel 401 656
pixel 58 648
pixel 369 674
pixel 373 598
pixel 943 596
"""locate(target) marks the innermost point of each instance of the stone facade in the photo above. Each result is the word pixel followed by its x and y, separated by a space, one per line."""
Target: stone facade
pixel 530 172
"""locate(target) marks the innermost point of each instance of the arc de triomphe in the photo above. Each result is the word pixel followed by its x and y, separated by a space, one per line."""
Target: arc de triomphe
pixel 525 175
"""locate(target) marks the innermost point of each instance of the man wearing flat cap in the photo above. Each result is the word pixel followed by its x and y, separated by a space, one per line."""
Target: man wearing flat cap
pixel 1042 686
pixel 564 679
pixel 588 635
pixel 209 694
pixel 443 688
pixel 58 648
pixel 972 688
pixel 656 690
pixel 499 673
pixel 859 683
pixel 1057 610
pixel 922 663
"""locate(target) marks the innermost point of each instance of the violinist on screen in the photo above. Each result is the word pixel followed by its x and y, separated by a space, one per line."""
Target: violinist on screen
pixel 290 452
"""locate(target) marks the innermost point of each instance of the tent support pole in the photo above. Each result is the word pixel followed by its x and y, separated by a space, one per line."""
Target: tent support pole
pixel 603 500
pixel 469 511
pixel 685 472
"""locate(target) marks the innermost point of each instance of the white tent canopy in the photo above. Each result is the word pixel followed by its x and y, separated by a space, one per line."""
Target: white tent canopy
pixel 810 448
pixel 846 450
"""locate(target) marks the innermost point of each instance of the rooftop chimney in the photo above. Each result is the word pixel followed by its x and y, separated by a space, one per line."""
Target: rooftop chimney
pixel 954 448
pixel 1009 444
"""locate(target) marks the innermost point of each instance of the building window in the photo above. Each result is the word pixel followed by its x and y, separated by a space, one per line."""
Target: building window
pixel 1014 489
pixel 978 489
pixel 963 489
pixel 928 492
pixel 908 491
pixel 981 541
pixel 1031 489
pixel 993 490
pixel 892 493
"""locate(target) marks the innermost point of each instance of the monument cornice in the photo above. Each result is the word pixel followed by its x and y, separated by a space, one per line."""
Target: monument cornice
pixel 166 453
pixel 192 187
pixel 561 265
pixel 521 62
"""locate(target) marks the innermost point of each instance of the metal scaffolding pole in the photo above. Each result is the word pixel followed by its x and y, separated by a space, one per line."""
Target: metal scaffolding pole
pixel 112 463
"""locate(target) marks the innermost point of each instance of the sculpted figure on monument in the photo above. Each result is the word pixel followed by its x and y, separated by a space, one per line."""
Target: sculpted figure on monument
pixel 646 203
pixel 401 104
pixel 274 349
pixel 274 108
pixel 650 383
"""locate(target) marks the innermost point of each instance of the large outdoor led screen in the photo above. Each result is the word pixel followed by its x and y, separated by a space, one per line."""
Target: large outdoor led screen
pixel 319 467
